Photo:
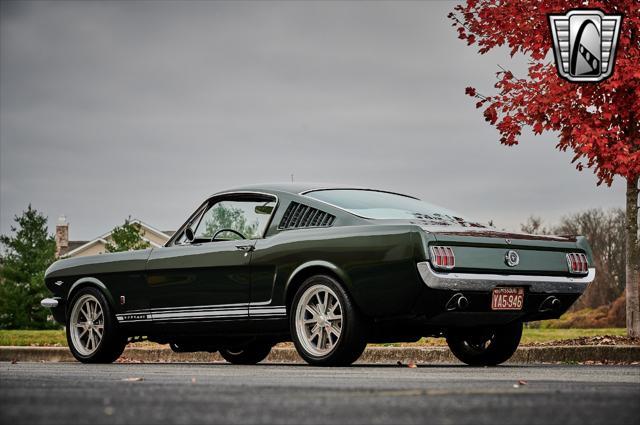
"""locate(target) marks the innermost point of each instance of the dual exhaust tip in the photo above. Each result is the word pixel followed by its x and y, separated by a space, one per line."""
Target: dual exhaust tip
pixel 458 302
pixel 550 304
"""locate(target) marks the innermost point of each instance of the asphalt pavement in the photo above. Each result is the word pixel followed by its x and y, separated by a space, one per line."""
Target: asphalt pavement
pixel 72 393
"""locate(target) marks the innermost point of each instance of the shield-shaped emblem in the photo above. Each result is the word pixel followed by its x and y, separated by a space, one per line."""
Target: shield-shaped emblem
pixel 584 44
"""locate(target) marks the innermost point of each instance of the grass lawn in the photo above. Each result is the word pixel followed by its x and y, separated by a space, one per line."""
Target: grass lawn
pixel 57 338
pixel 33 338
pixel 545 335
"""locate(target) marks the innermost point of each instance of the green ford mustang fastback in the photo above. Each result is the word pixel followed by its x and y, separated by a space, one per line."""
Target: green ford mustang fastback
pixel 330 268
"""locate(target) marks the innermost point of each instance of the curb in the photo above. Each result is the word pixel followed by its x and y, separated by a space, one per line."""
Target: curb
pixel 390 355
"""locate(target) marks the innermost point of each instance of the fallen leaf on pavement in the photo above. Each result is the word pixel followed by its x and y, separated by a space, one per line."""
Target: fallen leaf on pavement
pixel 128 360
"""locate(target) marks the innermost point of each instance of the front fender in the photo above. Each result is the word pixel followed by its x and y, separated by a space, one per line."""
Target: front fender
pixel 90 281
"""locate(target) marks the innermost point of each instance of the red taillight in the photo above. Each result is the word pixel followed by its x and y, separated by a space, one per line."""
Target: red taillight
pixel 442 257
pixel 577 263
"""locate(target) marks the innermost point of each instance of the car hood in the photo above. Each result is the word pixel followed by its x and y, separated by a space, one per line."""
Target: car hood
pixel 103 263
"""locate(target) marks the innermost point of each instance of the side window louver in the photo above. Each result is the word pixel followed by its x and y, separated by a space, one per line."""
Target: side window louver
pixel 300 216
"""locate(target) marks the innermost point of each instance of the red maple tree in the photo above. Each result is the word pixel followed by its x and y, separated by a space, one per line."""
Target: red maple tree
pixel 598 122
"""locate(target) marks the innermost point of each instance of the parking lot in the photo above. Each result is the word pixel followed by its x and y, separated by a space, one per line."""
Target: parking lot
pixel 268 393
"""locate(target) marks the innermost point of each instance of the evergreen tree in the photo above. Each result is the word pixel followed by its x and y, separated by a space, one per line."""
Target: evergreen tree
pixel 25 258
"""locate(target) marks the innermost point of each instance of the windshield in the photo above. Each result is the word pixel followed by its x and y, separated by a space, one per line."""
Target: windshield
pixel 384 205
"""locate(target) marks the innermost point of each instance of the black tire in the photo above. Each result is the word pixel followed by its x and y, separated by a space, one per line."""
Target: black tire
pixel 252 353
pixel 485 347
pixel 352 340
pixel 112 343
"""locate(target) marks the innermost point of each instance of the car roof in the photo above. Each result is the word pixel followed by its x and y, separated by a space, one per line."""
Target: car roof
pixel 293 188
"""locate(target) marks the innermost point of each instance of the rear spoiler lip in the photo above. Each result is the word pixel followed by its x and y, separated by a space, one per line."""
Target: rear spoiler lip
pixel 485 232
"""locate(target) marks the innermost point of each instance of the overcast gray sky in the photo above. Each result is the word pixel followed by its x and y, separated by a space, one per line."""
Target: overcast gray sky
pixel 113 109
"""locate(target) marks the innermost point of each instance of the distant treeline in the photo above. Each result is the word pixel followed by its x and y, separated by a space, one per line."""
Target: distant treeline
pixel 603 302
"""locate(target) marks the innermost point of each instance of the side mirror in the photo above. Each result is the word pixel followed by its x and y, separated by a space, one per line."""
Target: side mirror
pixel 188 233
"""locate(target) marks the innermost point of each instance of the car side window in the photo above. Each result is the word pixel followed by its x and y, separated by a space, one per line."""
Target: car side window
pixel 234 219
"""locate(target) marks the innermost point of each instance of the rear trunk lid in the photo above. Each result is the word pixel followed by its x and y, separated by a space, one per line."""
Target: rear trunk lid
pixel 484 250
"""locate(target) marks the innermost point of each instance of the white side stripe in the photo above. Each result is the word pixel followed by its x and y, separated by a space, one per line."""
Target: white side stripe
pixel 280 310
pixel 202 312
pixel 207 307
pixel 199 307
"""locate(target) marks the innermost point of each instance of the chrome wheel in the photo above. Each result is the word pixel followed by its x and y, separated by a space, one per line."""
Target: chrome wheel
pixel 319 320
pixel 87 324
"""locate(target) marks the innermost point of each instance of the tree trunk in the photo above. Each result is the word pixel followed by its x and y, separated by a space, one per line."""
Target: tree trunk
pixel 633 260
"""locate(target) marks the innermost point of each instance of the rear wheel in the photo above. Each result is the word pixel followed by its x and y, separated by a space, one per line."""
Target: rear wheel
pixel 327 329
pixel 249 354
pixel 92 331
pixel 485 347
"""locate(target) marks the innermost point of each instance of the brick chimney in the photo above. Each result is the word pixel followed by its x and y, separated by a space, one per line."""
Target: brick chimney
pixel 62 236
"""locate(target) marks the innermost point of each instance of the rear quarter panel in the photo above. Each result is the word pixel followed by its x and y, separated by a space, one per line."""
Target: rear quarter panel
pixel 376 263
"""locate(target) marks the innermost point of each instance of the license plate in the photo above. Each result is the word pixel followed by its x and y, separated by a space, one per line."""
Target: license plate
pixel 507 299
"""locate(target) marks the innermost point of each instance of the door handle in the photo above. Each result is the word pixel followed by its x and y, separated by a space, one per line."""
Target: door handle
pixel 245 248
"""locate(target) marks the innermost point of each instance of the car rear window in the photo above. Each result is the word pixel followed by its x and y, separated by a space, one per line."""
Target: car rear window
pixel 384 205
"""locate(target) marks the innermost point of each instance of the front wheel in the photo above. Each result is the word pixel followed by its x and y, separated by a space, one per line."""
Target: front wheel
pixel 247 355
pixel 485 347
pixel 326 327
pixel 92 331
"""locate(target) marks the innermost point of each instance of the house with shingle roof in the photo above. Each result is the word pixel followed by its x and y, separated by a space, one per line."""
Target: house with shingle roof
pixel 66 248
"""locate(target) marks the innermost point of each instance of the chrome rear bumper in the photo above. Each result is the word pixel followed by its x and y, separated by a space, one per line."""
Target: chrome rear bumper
pixel 486 282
